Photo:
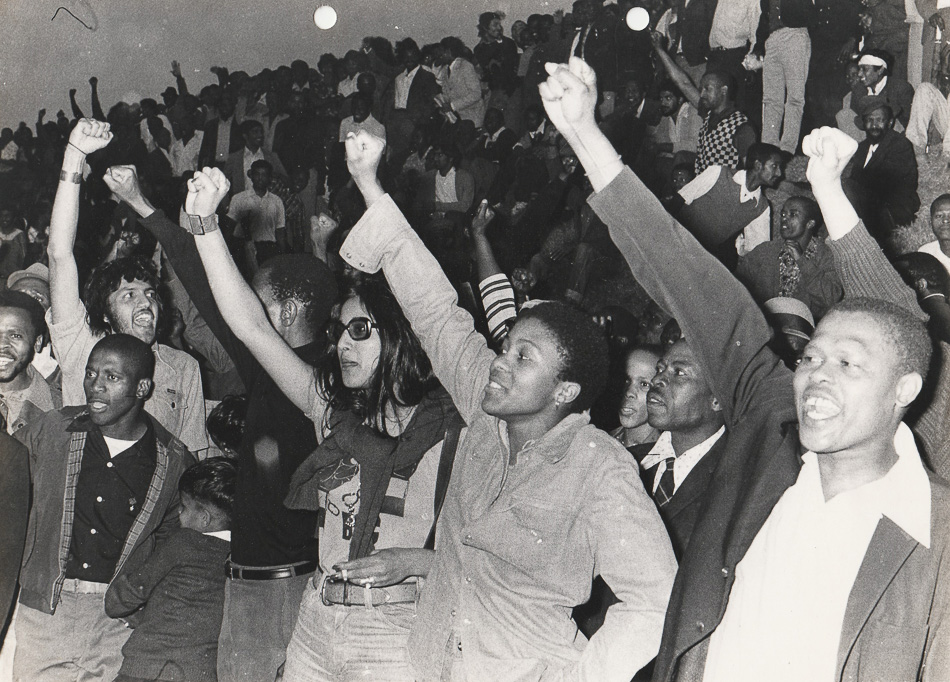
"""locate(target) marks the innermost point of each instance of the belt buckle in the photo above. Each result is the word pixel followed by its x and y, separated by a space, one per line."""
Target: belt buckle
pixel 323 589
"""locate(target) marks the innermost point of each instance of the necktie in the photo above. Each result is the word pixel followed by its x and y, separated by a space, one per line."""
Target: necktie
pixel 4 414
pixel 664 491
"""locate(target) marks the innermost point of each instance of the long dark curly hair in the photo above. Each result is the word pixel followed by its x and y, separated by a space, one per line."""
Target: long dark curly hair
pixel 403 375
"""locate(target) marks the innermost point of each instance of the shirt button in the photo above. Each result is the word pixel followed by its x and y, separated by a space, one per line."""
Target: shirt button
pixel 700 625
pixel 92 531
pixel 453 613
pixel 468 580
pixel 98 499
pixel 108 465
pixel 85 565
pixel 725 572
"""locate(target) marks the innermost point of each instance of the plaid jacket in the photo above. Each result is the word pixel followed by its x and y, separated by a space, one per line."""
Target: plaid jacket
pixel 54 479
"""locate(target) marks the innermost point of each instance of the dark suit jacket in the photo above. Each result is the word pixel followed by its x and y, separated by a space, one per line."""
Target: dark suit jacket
pixel 898 93
pixel 889 181
pixel 209 143
pixel 694 24
pixel 14 514
pixel 682 512
pixel 795 14
pixel 892 624
pixel 157 167
pixel 420 103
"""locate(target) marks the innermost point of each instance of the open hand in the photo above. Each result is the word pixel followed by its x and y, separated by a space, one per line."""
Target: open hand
pixel 90 135
pixel 363 153
pixel 176 69
pixel 385 567
pixel 124 183
pixel 828 151
pixel 205 191
pixel 570 95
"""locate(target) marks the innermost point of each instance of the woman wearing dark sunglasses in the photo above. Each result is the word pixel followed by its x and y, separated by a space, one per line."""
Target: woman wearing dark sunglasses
pixel 381 418
pixel 540 501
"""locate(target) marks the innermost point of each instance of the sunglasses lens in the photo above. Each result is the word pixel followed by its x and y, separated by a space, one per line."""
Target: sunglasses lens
pixel 359 329
pixel 335 331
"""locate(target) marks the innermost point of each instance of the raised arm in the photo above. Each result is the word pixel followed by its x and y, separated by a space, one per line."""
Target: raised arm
pixel 862 267
pixel 97 112
pixel 179 79
pixel 494 288
pixel 673 70
pixel 382 239
pixel 238 303
pixel 726 327
pixel 88 136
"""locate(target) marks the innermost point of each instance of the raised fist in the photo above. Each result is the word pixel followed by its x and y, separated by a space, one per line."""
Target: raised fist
pixel 828 151
pixel 205 191
pixel 363 153
pixel 90 135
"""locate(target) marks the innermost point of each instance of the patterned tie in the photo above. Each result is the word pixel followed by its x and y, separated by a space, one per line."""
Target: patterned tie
pixel 664 491
pixel 4 413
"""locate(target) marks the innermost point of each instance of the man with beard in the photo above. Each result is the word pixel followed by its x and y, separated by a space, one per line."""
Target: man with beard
pixel 120 297
pixel 24 393
pixel 104 481
pixel 883 181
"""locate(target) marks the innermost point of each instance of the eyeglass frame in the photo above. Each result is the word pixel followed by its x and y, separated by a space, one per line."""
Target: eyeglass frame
pixel 335 329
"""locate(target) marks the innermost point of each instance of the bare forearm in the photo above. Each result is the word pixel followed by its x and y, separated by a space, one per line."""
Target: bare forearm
pixel 838 213
pixel 485 263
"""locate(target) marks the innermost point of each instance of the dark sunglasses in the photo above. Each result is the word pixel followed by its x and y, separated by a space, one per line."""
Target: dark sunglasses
pixel 359 329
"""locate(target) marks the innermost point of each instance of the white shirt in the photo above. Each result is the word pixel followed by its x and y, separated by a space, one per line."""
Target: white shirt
pixel 876 89
pixel 871 150
pixel 147 136
pixel 369 124
pixel 784 616
pixel 735 24
pixel 445 187
pixel 184 157
pixel 250 157
pixel 401 88
pixel 347 86
pixel 683 464
pixel 260 216
pixel 933 248
pixel 758 230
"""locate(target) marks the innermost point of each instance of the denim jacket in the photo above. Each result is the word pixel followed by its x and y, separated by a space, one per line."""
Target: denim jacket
pixel 56 450
pixel 519 542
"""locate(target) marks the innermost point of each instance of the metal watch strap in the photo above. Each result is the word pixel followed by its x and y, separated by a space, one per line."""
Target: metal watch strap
pixel 198 225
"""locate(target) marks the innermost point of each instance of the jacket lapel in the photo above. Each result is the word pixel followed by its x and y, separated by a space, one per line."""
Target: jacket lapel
pixel 697 482
pixel 888 550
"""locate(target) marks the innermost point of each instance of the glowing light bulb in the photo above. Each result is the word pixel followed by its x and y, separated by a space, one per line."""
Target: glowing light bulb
pixel 638 18
pixel 324 17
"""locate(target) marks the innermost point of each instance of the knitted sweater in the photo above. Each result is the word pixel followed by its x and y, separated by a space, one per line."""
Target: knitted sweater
pixel 177 602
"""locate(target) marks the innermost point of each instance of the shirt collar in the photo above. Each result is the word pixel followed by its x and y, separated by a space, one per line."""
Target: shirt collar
pixel 663 449
pixel 876 90
pixel 498 132
pixel 555 443
pixel 220 534
pixel 902 494
pixel 410 74
pixel 744 193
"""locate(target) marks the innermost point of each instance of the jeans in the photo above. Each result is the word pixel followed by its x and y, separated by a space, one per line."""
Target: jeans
pixel 259 617
pixel 78 643
pixel 342 643
pixel 787 53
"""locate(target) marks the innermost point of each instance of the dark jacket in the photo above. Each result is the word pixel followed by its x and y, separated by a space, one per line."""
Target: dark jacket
pixel 56 442
pixel 897 92
pixel 898 614
pixel 14 514
pixel 420 103
pixel 694 24
pixel 209 143
pixel 889 181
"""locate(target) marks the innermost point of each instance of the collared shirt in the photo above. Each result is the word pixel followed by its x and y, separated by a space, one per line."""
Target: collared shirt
pixel 250 157
pixel 347 86
pixel 878 87
pixel 261 216
pixel 756 232
pixel 184 157
pixel 735 23
pixel 683 463
pixel 401 87
pixel 177 401
pixel 871 150
pixel 36 393
pixel 445 188
pixel 520 537
pixel 110 493
pixel 785 613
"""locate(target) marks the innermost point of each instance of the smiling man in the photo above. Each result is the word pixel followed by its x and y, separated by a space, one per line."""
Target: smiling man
pixel 120 297
pixel 24 394
pixel 827 565
pixel 105 490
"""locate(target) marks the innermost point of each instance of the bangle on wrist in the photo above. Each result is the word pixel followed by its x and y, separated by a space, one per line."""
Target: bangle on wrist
pixel 198 225
pixel 76 148
pixel 75 178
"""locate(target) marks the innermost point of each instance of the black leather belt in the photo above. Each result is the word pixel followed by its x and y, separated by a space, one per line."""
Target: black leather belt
pixel 242 573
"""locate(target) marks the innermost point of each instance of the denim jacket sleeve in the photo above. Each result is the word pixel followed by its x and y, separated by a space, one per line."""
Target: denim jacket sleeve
pixel 460 356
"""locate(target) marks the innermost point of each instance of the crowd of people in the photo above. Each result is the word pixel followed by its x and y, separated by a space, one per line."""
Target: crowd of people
pixel 323 373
